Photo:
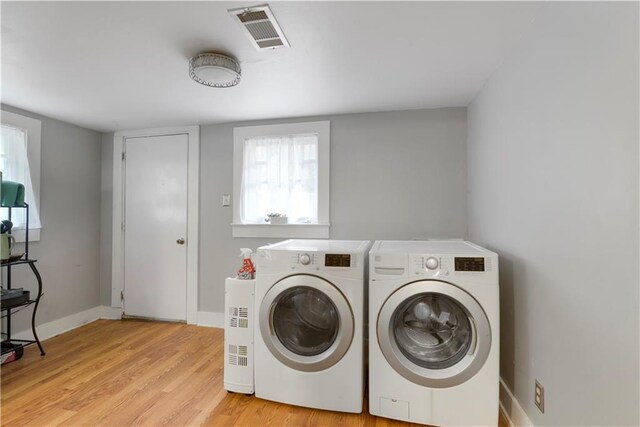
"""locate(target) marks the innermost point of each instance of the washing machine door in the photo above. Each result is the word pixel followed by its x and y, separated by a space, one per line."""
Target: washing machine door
pixel 434 333
pixel 306 322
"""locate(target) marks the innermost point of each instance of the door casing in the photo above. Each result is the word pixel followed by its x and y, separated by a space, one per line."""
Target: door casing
pixel 193 182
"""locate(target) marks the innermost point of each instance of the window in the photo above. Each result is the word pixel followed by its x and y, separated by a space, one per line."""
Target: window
pixel 280 174
pixel 20 162
pixel 281 170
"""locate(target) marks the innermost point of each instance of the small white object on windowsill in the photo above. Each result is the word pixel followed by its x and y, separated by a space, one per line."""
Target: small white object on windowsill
pixel 277 219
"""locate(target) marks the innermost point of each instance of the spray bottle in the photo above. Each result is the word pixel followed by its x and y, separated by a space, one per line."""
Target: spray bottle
pixel 247 271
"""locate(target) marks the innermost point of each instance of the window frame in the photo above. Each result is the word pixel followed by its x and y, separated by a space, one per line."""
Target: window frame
pixel 319 230
pixel 33 129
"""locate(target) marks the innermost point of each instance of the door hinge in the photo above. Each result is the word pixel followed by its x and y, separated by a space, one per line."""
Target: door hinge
pixel 121 296
pixel 122 227
pixel 124 156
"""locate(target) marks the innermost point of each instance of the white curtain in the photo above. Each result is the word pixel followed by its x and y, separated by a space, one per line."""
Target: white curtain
pixel 14 165
pixel 280 175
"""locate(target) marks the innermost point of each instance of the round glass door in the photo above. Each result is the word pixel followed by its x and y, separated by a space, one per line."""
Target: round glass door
pixel 306 322
pixel 433 333
pixel 432 330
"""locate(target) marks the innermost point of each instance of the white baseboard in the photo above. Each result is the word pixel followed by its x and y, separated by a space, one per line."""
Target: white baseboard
pixel 211 319
pixel 68 323
pixel 65 324
pixel 511 409
pixel 59 326
pixel 113 313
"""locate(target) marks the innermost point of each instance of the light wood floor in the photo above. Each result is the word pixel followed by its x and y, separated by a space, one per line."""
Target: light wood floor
pixel 118 373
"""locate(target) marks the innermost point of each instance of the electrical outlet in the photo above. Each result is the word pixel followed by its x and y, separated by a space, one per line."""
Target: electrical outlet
pixel 226 200
pixel 539 396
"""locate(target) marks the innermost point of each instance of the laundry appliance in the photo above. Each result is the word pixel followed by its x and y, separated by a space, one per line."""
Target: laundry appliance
pixel 434 332
pixel 309 298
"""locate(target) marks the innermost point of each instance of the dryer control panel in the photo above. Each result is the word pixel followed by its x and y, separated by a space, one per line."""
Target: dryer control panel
pixel 317 260
pixel 337 260
pixel 305 259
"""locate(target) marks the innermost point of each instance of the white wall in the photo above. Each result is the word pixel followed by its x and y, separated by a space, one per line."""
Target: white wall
pixel 397 175
pixel 68 252
pixel 553 188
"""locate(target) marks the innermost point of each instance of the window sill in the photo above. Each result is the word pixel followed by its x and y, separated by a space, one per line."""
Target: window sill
pixel 300 231
pixel 20 235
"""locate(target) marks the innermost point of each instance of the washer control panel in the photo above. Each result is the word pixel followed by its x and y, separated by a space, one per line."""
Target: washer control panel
pixel 438 266
pixel 469 264
pixel 430 265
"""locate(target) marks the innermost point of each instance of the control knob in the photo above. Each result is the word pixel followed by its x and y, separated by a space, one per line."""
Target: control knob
pixel 305 259
pixel 431 263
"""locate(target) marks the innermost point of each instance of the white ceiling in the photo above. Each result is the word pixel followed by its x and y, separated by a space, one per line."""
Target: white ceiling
pixel 123 65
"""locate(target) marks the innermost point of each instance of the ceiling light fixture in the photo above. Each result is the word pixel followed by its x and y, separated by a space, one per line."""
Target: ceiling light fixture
pixel 214 70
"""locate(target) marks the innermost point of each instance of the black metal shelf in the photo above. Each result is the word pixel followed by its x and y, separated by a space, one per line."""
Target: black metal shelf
pixel 22 304
pixel 31 302
pixel 19 343
pixel 17 262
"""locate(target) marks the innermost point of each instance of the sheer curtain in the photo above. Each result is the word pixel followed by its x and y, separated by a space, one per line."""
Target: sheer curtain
pixel 280 175
pixel 14 165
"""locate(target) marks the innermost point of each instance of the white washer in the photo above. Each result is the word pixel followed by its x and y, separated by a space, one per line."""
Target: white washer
pixel 309 333
pixel 434 328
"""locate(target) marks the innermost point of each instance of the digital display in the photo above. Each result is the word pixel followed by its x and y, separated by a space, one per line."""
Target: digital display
pixel 469 264
pixel 337 260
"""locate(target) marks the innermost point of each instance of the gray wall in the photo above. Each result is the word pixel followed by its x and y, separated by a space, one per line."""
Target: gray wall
pixel 68 252
pixel 397 175
pixel 106 215
pixel 553 188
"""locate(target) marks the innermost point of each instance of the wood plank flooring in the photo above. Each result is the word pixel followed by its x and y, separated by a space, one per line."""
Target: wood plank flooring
pixel 121 373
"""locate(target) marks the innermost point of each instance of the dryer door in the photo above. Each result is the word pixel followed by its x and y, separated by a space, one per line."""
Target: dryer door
pixel 306 322
pixel 434 333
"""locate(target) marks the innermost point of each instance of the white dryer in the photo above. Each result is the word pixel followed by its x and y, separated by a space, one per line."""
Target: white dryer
pixel 434 332
pixel 309 333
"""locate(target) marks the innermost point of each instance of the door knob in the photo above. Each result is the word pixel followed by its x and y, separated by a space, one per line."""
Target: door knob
pixel 180 241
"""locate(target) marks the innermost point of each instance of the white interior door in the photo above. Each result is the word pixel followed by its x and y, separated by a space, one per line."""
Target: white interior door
pixel 155 246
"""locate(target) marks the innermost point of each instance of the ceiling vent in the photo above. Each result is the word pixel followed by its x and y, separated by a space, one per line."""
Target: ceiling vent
pixel 261 27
